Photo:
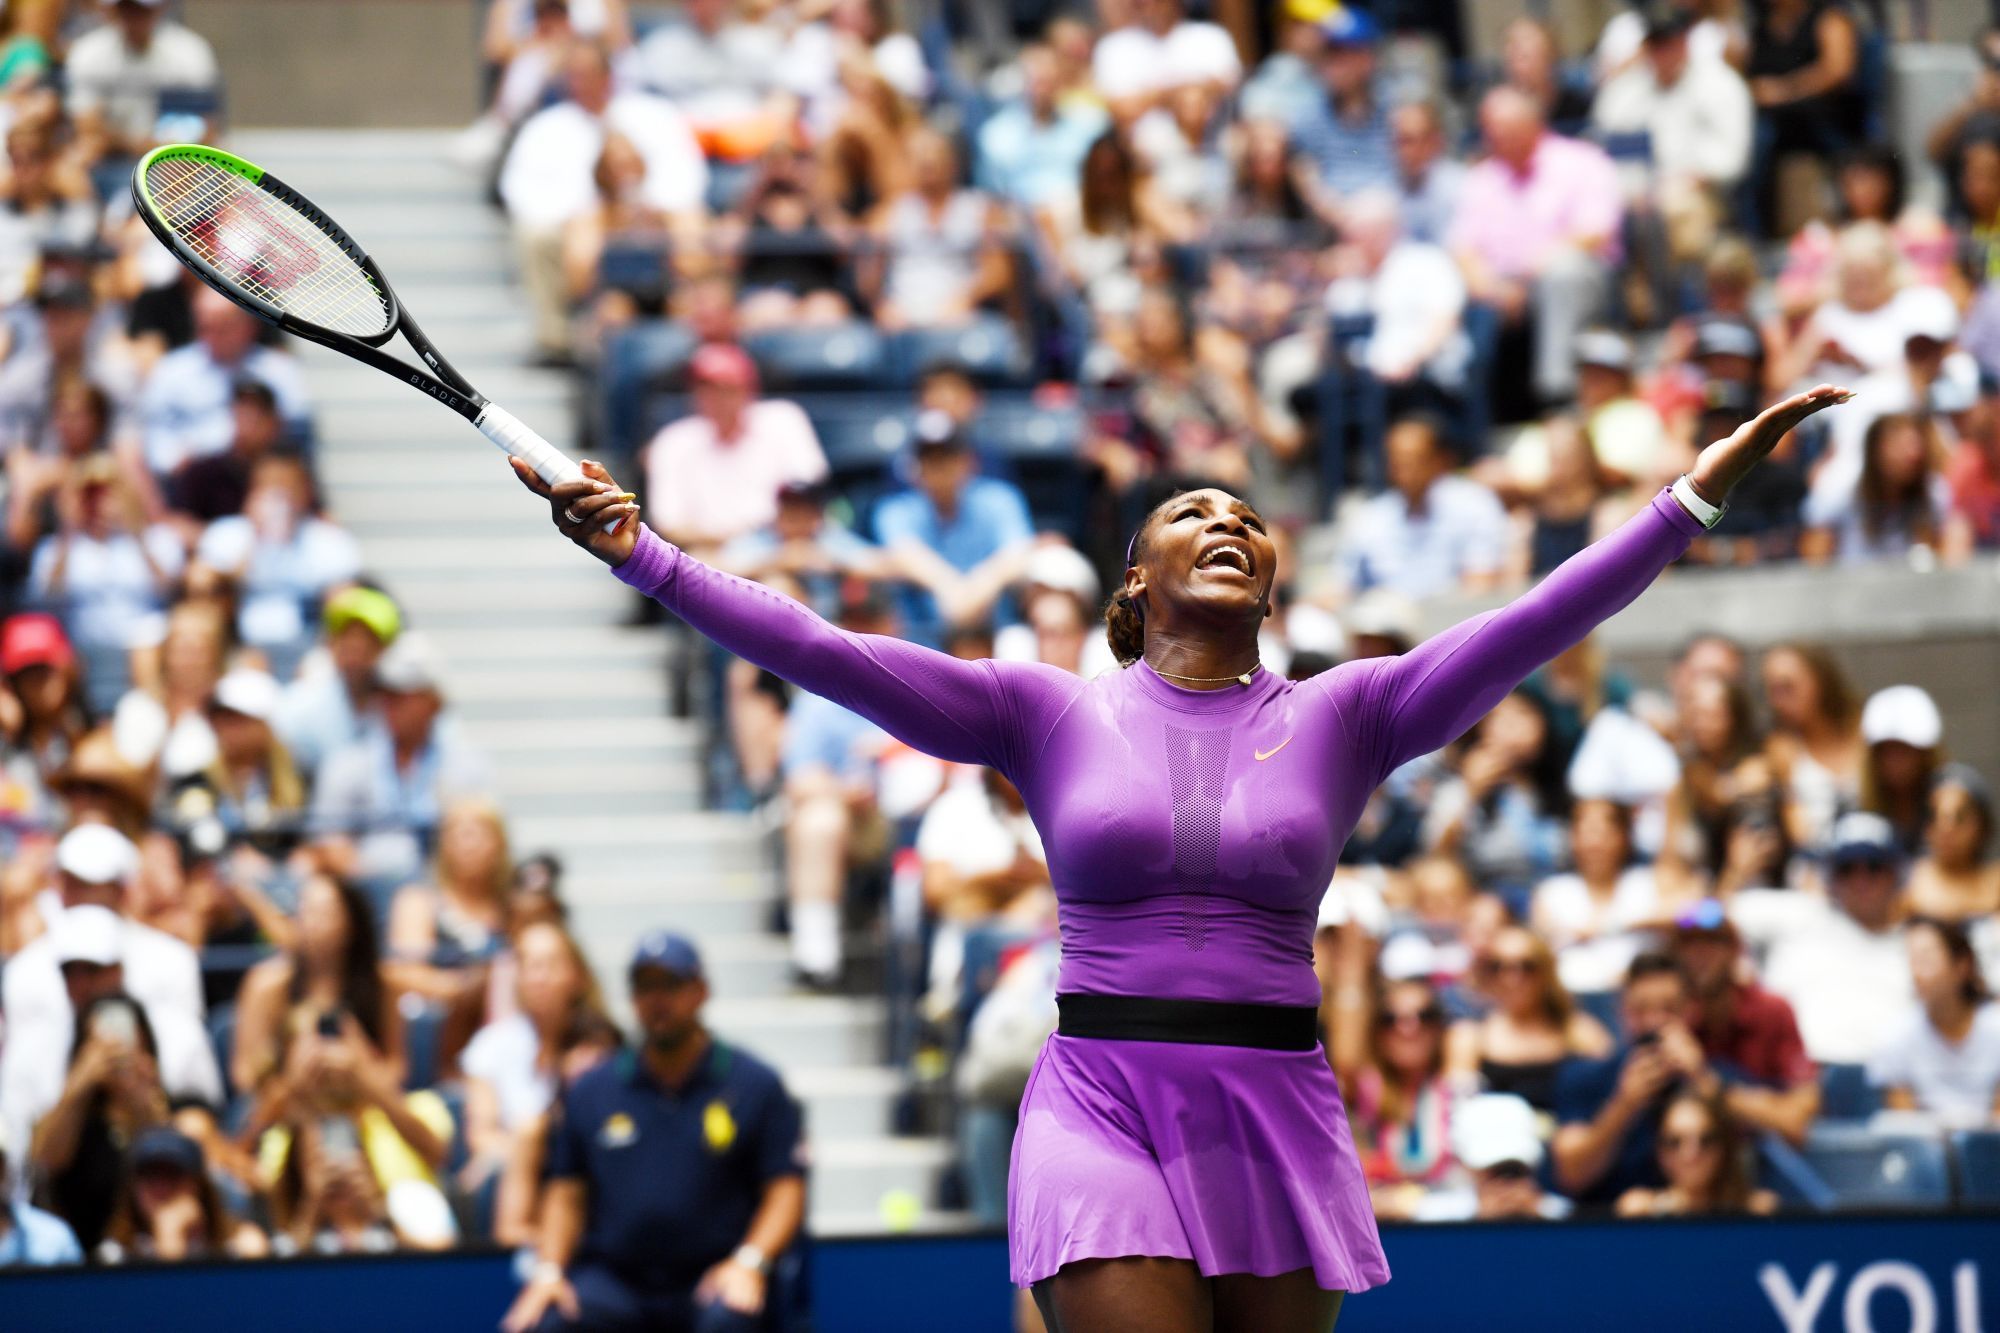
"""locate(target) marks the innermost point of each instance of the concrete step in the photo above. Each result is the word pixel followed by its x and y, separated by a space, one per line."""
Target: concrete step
pixel 701 906
pixel 342 146
pixel 853 1175
pixel 672 789
pixel 542 740
pixel 466 597
pixel 849 1103
pixel 692 841
pixel 448 473
pixel 550 555
pixel 598 645
pixel 803 1031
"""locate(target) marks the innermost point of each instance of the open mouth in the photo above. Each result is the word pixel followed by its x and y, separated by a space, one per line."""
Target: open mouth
pixel 1227 556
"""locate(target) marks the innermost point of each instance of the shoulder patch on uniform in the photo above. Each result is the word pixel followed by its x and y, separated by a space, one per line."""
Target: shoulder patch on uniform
pixel 718 1126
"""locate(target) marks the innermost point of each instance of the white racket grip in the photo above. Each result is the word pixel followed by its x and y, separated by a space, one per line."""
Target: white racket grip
pixel 508 431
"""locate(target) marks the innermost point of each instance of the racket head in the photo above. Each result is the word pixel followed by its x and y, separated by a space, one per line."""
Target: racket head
pixel 262 244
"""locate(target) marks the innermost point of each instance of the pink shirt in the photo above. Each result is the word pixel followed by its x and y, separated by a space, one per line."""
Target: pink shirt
pixel 700 485
pixel 1512 221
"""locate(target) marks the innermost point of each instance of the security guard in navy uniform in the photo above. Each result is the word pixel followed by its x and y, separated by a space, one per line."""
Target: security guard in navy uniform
pixel 676 1175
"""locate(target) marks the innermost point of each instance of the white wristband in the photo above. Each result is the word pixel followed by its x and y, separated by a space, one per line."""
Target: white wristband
pixel 547 1270
pixel 1704 513
pixel 751 1257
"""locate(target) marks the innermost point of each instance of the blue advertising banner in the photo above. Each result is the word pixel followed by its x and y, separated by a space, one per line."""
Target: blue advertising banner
pixel 1916 1274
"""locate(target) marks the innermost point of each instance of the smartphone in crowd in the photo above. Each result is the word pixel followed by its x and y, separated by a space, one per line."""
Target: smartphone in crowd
pixel 116 1023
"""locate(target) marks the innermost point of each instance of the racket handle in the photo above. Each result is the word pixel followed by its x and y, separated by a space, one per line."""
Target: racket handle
pixel 508 431
pixel 519 439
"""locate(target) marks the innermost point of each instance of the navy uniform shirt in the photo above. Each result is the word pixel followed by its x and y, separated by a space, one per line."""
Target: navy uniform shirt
pixel 673 1177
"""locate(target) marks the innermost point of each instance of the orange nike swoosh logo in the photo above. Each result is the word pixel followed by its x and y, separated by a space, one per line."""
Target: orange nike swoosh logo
pixel 1262 755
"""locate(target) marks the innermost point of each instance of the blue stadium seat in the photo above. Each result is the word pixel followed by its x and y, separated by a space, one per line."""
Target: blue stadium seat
pixel 423 1043
pixel 1019 430
pixel 107 674
pixel 1603 1006
pixel 988 347
pixel 846 356
pixel 1976 1152
pixel 859 432
pixel 1868 1170
pixel 636 265
pixel 1846 1093
pixel 638 360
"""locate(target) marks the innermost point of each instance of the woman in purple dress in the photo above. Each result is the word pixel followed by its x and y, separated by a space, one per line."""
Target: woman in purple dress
pixel 1183 1160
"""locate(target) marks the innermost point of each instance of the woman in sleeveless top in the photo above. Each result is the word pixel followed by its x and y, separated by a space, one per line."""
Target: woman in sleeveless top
pixel 1183 1161
pixel 1533 1026
pixel 1815 744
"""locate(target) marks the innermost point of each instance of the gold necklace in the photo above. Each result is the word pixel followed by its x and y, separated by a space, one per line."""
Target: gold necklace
pixel 1243 679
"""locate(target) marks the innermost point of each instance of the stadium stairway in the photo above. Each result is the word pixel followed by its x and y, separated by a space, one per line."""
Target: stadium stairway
pixel 567 702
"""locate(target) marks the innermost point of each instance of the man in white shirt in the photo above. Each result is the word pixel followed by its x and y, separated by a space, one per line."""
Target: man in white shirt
pixel 94 862
pixel 548 178
pixel 1679 128
pixel 117 72
pixel 714 476
pixel 185 410
pixel 89 947
pixel 1839 960
pixel 1134 67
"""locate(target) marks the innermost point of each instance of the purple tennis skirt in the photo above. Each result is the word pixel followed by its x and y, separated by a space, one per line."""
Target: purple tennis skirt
pixel 1234 1157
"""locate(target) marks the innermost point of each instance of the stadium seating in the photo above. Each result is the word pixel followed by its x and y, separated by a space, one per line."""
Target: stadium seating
pixel 638 361
pixel 846 356
pixel 988 348
pixel 1846 1094
pixel 1870 1170
pixel 1976 1157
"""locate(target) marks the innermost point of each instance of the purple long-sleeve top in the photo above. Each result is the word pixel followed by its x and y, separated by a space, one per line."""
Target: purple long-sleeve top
pixel 1190 833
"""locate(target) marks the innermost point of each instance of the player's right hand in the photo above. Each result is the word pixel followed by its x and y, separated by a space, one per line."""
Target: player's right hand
pixel 581 509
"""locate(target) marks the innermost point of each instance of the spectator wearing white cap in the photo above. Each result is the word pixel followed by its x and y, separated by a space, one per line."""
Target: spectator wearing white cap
pixel 257 788
pixel 90 947
pixel 93 865
pixel 1495 1136
pixel 377 801
pixel 1059 599
pixel 1839 959
pixel 1905 735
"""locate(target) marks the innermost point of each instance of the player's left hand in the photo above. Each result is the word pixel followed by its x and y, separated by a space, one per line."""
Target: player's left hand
pixel 1726 462
pixel 582 508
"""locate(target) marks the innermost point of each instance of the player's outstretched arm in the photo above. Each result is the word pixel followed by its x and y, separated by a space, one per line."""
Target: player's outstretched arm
pixel 968 712
pixel 1412 704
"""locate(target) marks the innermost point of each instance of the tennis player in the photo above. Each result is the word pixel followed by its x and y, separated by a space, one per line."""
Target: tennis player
pixel 1183 1161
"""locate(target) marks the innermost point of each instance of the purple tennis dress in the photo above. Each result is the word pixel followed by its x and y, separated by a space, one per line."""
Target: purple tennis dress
pixel 1190 835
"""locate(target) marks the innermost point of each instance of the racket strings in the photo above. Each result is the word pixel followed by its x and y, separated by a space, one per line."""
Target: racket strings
pixel 265 248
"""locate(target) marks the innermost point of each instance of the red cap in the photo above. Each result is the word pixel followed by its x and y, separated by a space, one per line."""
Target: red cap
pixel 720 363
pixel 33 639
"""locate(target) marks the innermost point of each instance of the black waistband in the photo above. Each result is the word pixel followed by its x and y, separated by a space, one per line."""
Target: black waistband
pixel 1270 1027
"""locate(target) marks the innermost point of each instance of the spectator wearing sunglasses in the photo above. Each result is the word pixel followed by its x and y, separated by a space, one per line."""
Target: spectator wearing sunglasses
pixel 1399 1103
pixel 1533 1028
pixel 1702 1155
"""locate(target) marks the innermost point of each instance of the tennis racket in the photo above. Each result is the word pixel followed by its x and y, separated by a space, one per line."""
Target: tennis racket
pixel 266 247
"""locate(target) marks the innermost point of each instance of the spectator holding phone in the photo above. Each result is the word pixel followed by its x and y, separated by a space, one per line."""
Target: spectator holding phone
pixel 111 1094
pixel 344 1150
pixel 1610 1110
pixel 1703 1156
pixel 331 970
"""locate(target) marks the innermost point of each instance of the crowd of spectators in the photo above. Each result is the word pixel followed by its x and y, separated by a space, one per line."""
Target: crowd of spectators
pixel 275 980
